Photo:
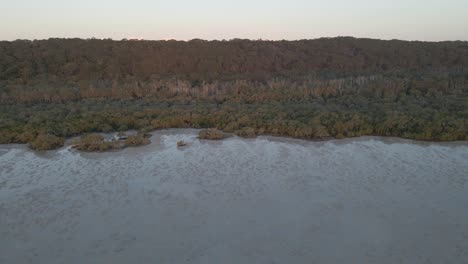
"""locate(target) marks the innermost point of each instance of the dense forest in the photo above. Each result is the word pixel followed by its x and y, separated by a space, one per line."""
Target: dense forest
pixel 315 89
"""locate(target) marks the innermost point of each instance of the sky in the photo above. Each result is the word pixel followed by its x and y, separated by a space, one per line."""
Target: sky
pixel 427 20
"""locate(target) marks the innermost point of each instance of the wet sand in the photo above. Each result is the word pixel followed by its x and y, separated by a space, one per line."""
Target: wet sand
pixel 264 200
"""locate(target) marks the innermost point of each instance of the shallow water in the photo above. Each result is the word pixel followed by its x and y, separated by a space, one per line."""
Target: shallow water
pixel 264 200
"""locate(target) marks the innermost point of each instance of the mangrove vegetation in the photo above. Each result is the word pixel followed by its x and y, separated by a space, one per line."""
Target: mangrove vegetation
pixel 313 89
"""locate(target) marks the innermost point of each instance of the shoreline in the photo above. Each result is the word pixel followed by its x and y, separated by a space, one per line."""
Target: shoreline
pixel 170 131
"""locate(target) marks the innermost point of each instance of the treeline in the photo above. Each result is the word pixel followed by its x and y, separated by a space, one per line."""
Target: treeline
pixel 76 59
pixel 74 69
pixel 338 87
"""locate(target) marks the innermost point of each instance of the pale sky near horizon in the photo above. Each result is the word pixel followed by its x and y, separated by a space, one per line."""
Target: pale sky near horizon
pixel 428 20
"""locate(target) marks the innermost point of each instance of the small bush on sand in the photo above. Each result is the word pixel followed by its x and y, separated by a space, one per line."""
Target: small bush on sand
pixel 93 142
pixel 46 142
pixel 211 134
pixel 246 132
pixel 96 142
pixel 137 140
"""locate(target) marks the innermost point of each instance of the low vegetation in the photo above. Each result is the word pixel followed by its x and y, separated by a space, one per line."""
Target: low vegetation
pixel 46 142
pixel 97 143
pixel 246 132
pixel 211 134
pixel 136 140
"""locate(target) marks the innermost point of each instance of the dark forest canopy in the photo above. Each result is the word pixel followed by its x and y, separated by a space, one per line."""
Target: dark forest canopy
pixel 70 69
pixel 92 59
pixel 329 87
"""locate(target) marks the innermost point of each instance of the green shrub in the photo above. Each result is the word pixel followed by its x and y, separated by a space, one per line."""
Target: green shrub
pixel 46 142
pixel 246 132
pixel 136 140
pixel 211 134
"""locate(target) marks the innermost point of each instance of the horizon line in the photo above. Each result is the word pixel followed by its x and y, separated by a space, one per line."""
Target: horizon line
pixel 232 39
